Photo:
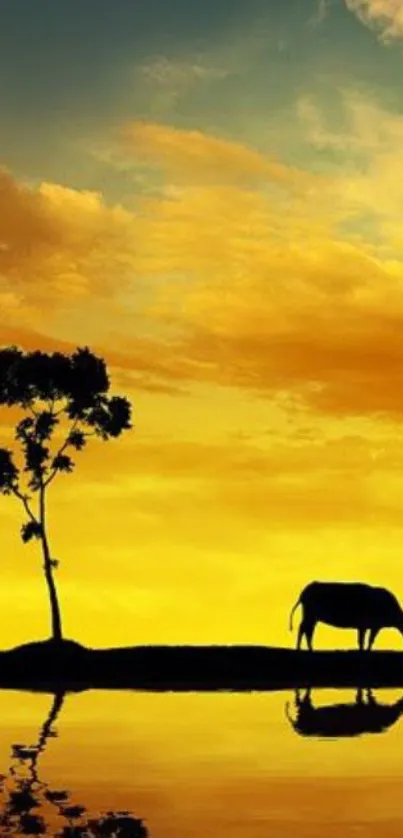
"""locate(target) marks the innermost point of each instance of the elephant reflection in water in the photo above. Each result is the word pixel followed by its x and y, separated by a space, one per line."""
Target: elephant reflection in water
pixel 364 715
pixel 27 803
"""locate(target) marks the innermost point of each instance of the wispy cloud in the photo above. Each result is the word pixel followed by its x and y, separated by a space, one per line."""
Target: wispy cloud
pixel 366 126
pixel 197 157
pixel 181 73
pixel 320 14
pixel 169 79
pixel 368 141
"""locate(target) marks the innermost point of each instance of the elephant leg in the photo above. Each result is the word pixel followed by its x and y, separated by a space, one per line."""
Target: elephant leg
pixel 297 699
pixel 306 629
pixel 301 632
pixel 372 637
pixel 361 638
pixel 309 632
pixel 302 697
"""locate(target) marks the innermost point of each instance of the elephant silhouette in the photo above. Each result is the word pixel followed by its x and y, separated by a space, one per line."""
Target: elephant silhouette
pixel 347 605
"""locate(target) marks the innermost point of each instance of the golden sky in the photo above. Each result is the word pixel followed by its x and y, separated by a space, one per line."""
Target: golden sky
pixel 215 209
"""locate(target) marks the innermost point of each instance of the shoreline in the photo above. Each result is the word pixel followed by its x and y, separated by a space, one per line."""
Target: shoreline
pixel 69 666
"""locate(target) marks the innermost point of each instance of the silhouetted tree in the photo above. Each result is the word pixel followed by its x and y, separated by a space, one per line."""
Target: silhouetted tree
pixel 63 398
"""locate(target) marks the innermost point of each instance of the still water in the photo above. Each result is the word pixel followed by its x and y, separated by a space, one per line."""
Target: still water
pixel 168 765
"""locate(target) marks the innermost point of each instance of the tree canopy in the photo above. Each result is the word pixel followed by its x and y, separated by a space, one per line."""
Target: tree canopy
pixel 49 386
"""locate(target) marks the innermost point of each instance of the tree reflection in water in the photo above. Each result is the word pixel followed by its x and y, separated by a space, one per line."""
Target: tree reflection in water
pixel 29 806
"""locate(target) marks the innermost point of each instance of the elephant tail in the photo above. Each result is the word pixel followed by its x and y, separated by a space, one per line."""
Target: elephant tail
pixel 298 602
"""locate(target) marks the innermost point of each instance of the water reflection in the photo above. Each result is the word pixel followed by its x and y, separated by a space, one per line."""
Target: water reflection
pixel 174 757
pixel 29 806
pixel 363 716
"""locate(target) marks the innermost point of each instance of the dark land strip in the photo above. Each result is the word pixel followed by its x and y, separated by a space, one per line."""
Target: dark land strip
pixel 68 666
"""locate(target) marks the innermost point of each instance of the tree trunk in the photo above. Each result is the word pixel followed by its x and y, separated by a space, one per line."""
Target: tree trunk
pixel 48 570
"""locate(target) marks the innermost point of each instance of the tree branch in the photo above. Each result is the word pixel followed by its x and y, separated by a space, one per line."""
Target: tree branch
pixel 60 452
pixel 32 410
pixel 24 500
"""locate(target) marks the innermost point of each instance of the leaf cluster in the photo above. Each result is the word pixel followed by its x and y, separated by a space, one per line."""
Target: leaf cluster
pixel 79 380
pixel 8 472
pixel 50 387
pixel 30 530
pixel 29 376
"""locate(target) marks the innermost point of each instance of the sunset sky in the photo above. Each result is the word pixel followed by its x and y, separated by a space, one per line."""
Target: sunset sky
pixel 209 195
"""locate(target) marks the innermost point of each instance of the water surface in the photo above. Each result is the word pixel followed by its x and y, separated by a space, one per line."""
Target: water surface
pixel 216 764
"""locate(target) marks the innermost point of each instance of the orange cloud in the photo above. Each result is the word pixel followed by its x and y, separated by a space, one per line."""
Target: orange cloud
pixel 223 282
pixel 266 291
pixel 202 157
pixel 385 15
pixel 311 315
pixel 58 247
